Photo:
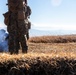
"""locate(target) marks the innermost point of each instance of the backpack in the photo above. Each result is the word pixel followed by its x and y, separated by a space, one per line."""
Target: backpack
pixel 17 6
pixel 6 18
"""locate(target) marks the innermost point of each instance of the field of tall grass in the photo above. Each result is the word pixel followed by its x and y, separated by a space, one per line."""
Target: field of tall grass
pixel 47 55
pixel 54 39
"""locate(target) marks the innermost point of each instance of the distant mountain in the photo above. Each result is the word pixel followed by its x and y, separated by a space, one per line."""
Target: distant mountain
pixel 34 32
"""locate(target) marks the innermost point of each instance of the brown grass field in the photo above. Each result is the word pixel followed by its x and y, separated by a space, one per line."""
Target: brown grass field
pixel 47 55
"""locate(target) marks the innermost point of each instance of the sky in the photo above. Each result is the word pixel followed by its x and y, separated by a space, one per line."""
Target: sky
pixel 48 14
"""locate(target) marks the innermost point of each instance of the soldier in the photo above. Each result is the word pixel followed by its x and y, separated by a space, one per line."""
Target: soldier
pixel 28 23
pixel 17 26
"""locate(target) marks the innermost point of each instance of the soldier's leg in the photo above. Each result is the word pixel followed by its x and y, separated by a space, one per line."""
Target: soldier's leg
pixel 16 43
pixel 11 44
pixel 22 32
pixel 16 49
pixel 23 44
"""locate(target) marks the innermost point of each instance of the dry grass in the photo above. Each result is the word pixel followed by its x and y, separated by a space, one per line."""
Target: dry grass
pixel 43 58
pixel 39 64
pixel 54 39
pixel 4 57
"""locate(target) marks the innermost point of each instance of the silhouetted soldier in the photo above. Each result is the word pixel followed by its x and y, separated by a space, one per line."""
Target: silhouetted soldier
pixel 28 23
pixel 16 25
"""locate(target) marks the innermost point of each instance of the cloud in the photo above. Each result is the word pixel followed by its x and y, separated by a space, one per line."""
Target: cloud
pixel 56 2
pixel 40 26
pixel 51 26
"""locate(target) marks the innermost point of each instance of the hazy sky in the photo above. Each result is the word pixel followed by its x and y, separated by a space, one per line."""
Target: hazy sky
pixel 49 14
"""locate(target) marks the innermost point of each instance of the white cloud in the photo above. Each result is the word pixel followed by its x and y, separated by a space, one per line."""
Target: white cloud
pixel 50 26
pixel 56 2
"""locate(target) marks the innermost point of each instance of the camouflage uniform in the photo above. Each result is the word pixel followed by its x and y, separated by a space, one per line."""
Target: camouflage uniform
pixel 17 30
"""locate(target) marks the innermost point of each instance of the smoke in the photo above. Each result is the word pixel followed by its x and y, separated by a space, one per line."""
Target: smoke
pixel 3 41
